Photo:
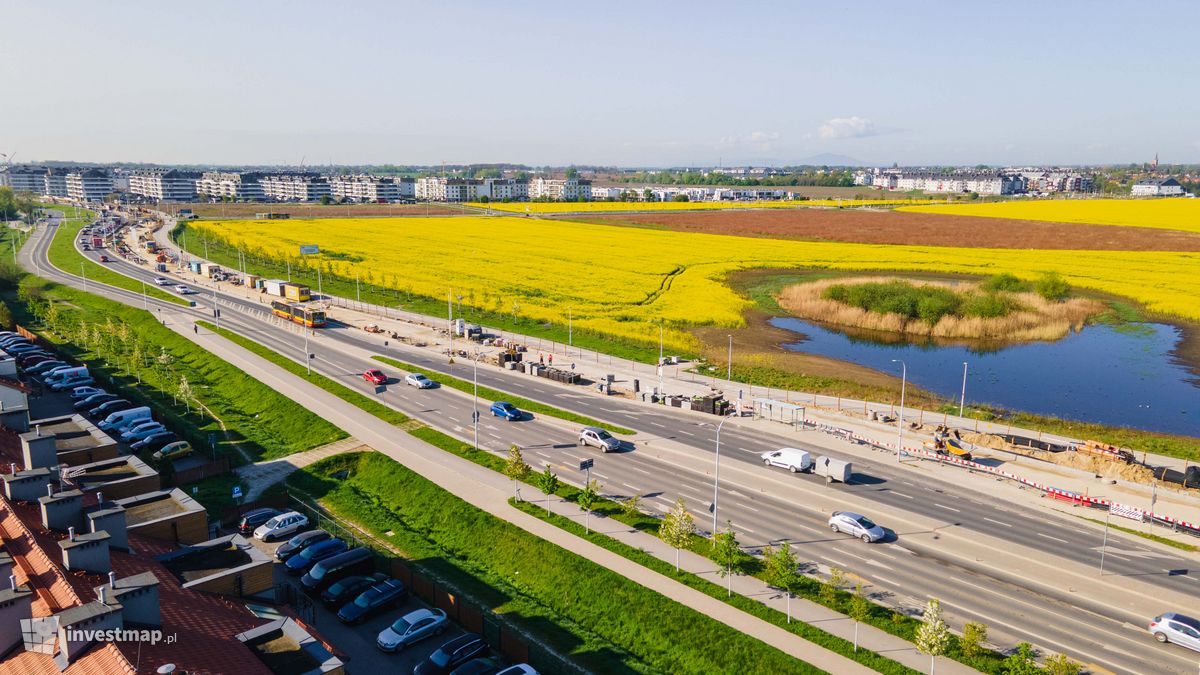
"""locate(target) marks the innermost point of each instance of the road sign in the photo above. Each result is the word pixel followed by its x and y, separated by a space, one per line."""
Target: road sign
pixel 380 388
pixel 310 249
pixel 585 464
pixel 475 416
pixel 237 491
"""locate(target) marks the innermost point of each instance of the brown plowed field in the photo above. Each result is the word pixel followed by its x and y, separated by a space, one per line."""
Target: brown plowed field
pixel 891 227
pixel 317 210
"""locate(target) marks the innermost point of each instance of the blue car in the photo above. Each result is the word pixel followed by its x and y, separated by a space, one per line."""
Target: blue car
pixel 376 598
pixel 506 410
pixel 299 563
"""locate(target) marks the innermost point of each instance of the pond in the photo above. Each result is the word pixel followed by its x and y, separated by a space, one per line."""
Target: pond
pixel 1121 376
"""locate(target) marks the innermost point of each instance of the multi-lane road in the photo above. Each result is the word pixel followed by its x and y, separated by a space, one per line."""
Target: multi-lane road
pixel 764 505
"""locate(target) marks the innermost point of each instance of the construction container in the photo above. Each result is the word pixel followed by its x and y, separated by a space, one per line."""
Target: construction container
pixel 296 292
pixel 274 286
pixel 194 265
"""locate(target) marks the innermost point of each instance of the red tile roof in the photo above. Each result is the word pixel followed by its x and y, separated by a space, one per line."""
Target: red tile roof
pixel 203 624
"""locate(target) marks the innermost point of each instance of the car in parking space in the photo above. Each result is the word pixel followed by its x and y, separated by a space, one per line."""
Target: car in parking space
pixel 82 393
pixel 506 410
pixel 519 669
pixel 599 438
pixel 173 451
pixel 411 628
pixel 109 407
pixel 385 594
pixel 375 376
pixel 162 281
pixel 856 525
pixel 452 655
pixel 72 382
pixel 9 340
pixel 419 381
pixel 139 431
pixel 483 666
pixel 282 525
pixel 1177 628
pixel 45 366
pixel 299 563
pixel 298 543
pixel 154 442
pixel 347 588
pixel 33 358
pixel 19 348
pixel 252 519
pixel 182 290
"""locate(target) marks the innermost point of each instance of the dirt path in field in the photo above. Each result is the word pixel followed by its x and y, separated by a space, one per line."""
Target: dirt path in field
pixel 920 229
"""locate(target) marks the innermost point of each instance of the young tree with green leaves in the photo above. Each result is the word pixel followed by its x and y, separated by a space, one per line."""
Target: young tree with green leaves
pixel 860 610
pixel 1021 662
pixel 973 637
pixel 782 571
pixel 829 588
pixel 933 637
pixel 1061 664
pixel 726 552
pixel 547 482
pixel 587 499
pixel 677 528
pixel 516 468
pixel 632 507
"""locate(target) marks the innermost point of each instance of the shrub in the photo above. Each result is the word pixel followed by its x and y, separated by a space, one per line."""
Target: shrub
pixel 973 637
pixel 1053 287
pixel 1004 282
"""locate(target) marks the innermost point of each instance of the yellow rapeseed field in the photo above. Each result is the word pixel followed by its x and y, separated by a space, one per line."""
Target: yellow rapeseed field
pixel 1167 214
pixel 611 207
pixel 621 281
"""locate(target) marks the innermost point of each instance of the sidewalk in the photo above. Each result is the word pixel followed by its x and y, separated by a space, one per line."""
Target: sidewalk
pixel 489 490
pixel 262 475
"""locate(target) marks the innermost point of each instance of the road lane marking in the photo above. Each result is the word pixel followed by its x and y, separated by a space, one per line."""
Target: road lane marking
pixel 948 508
pixel 998 522
pixel 656 424
pixel 744 529
pixel 632 487
pixel 901 494
pixel 641 470
pixel 1049 537
pixel 599 475
pixel 687 433
pixel 539 452
pixel 745 506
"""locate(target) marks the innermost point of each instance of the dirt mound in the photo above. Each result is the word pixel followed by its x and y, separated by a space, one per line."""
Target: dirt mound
pixel 1099 466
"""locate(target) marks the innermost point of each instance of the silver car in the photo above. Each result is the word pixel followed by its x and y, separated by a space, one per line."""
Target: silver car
pixel 410 628
pixel 1177 628
pixel 855 524
pixel 599 438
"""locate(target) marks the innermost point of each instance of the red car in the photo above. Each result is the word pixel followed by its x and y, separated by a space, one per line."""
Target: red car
pixel 375 376
pixel 103 258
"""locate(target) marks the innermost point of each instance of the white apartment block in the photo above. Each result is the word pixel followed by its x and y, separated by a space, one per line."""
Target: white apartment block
pixel 1157 187
pixel 24 179
pixel 560 189
pixel 602 193
pixel 294 187
pixel 90 185
pixel 371 188
pixel 500 189
pixel 163 185
pixel 54 183
pixel 230 185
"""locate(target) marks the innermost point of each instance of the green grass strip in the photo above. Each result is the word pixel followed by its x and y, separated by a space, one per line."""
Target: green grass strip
pixel 1183 546
pixel 66 257
pixel 110 338
pixel 368 404
pixel 605 622
pixel 497 395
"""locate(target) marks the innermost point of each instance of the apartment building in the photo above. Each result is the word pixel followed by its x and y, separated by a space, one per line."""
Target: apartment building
pixel 1057 181
pixel 54 182
pixel 500 189
pixel 89 185
pixel 1157 187
pixel 239 185
pixel 294 187
pixel 23 178
pixel 560 189
pixel 371 188
pixel 164 185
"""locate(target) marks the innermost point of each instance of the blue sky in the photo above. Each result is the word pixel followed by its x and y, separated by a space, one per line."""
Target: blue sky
pixel 620 83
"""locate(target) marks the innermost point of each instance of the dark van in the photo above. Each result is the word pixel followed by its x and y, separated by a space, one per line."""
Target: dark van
pixel 325 572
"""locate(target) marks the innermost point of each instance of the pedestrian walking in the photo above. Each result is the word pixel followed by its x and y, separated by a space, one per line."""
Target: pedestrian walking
pixel 541 359
pixel 551 359
pixel 195 329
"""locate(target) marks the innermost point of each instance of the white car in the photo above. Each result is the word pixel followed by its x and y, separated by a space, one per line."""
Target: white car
pixel 1177 628
pixel 182 290
pixel 419 381
pixel 139 431
pixel 856 525
pixel 792 459
pixel 281 526
pixel 519 669
pixel 162 281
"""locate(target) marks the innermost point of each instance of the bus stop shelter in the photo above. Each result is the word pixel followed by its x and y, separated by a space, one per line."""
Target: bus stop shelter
pixel 779 411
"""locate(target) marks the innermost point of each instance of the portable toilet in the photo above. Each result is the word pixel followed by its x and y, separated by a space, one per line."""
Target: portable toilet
pixel 195 266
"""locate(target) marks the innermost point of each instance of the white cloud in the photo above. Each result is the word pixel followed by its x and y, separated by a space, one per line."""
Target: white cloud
pixel 761 140
pixel 847 127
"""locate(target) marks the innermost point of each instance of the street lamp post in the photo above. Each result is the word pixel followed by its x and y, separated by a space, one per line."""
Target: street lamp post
pixel 963 400
pixel 900 421
pixel 475 410
pixel 570 331
pixel 1104 544
pixel 307 358
pixel 717 474
pixel 83 274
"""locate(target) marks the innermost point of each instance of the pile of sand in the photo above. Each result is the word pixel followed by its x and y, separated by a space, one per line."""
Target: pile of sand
pixel 1098 466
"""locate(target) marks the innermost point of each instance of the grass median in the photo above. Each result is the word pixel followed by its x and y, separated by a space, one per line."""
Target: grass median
pixel 366 403
pixel 129 351
pixel 497 395
pixel 603 621
pixel 66 257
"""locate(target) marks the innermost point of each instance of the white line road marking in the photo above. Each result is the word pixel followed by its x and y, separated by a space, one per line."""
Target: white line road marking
pixel 746 506
pixel 1114 555
pixel 656 424
pixel 632 487
pixel 641 470
pixel 599 475
pixel 852 555
pixel 887 581
pixel 998 522
pixel 687 433
pixel 539 452
pixel 901 494
pixel 839 562
pixel 494 436
pixel 455 419
pixel 948 508
pixel 1054 538
pixel 744 529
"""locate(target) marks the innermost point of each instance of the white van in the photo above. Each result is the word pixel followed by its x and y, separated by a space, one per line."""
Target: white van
pixel 119 420
pixel 792 459
pixel 72 382
pixel 59 374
